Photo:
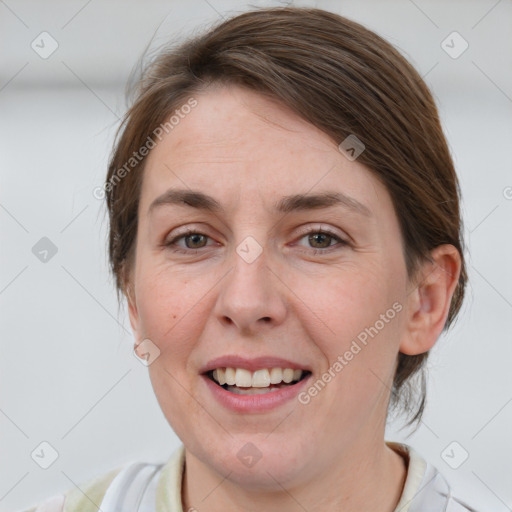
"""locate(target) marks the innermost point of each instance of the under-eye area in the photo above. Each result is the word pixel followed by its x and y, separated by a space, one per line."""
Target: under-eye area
pixel 244 382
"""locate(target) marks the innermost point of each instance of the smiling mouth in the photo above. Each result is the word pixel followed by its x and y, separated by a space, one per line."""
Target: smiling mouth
pixel 251 390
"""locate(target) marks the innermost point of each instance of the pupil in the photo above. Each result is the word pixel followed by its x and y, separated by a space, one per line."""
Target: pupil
pixel 318 235
pixel 194 237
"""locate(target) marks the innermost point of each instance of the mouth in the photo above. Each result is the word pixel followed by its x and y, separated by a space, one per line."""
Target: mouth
pixel 267 380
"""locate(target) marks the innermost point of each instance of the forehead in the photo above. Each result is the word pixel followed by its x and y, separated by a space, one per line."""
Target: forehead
pixel 238 143
pixel 231 122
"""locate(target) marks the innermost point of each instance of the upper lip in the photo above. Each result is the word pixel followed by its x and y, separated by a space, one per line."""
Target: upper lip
pixel 258 363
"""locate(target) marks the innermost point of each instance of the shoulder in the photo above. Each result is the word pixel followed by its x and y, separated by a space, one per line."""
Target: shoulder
pixel 126 487
pixel 86 497
pixel 425 487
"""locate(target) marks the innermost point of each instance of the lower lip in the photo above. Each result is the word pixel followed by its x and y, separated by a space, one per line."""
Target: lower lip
pixel 254 403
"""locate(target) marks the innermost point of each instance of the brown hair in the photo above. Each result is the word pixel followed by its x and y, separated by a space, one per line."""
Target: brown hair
pixel 340 77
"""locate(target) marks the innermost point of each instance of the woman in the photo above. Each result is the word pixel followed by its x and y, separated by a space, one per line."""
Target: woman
pixel 285 227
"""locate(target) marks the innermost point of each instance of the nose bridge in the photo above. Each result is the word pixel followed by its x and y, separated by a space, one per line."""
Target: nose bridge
pixel 250 261
pixel 251 238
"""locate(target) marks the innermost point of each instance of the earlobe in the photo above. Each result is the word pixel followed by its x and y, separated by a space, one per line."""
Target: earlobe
pixel 429 302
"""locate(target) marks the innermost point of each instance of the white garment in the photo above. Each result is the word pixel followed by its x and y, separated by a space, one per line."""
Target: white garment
pixel 53 504
pixel 425 488
pixel 133 489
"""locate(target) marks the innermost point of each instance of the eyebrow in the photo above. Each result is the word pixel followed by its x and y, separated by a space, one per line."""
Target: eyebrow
pixel 296 202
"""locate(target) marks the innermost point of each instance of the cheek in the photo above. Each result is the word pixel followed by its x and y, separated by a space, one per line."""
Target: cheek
pixel 173 314
pixel 161 288
pixel 347 300
pixel 359 325
pixel 169 307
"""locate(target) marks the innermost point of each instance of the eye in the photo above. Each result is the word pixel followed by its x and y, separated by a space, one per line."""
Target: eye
pixel 196 238
pixel 198 241
pixel 321 240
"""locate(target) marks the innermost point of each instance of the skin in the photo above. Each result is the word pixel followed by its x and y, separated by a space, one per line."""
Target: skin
pixel 328 455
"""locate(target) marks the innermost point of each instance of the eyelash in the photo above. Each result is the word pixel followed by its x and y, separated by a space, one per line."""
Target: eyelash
pixel 172 243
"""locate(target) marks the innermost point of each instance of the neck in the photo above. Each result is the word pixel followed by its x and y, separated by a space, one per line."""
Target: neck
pixel 368 477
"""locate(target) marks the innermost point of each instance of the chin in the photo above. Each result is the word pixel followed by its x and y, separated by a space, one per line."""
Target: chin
pixel 257 463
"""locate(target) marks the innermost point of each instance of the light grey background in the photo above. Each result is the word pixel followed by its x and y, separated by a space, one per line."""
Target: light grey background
pixel 68 376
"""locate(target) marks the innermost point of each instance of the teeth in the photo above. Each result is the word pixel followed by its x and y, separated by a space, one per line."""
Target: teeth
pixel 243 378
pixel 230 376
pixel 276 375
pixel 260 379
pixel 263 378
pixel 288 375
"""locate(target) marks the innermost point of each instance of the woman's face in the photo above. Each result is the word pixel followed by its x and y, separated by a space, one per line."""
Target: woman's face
pixel 257 281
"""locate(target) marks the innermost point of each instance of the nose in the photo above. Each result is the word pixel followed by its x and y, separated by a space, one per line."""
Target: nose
pixel 252 295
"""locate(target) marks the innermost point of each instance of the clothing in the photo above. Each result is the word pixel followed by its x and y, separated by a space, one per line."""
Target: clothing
pixel 144 487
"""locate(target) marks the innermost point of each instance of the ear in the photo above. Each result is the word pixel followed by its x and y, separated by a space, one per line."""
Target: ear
pixel 129 293
pixel 132 308
pixel 428 301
